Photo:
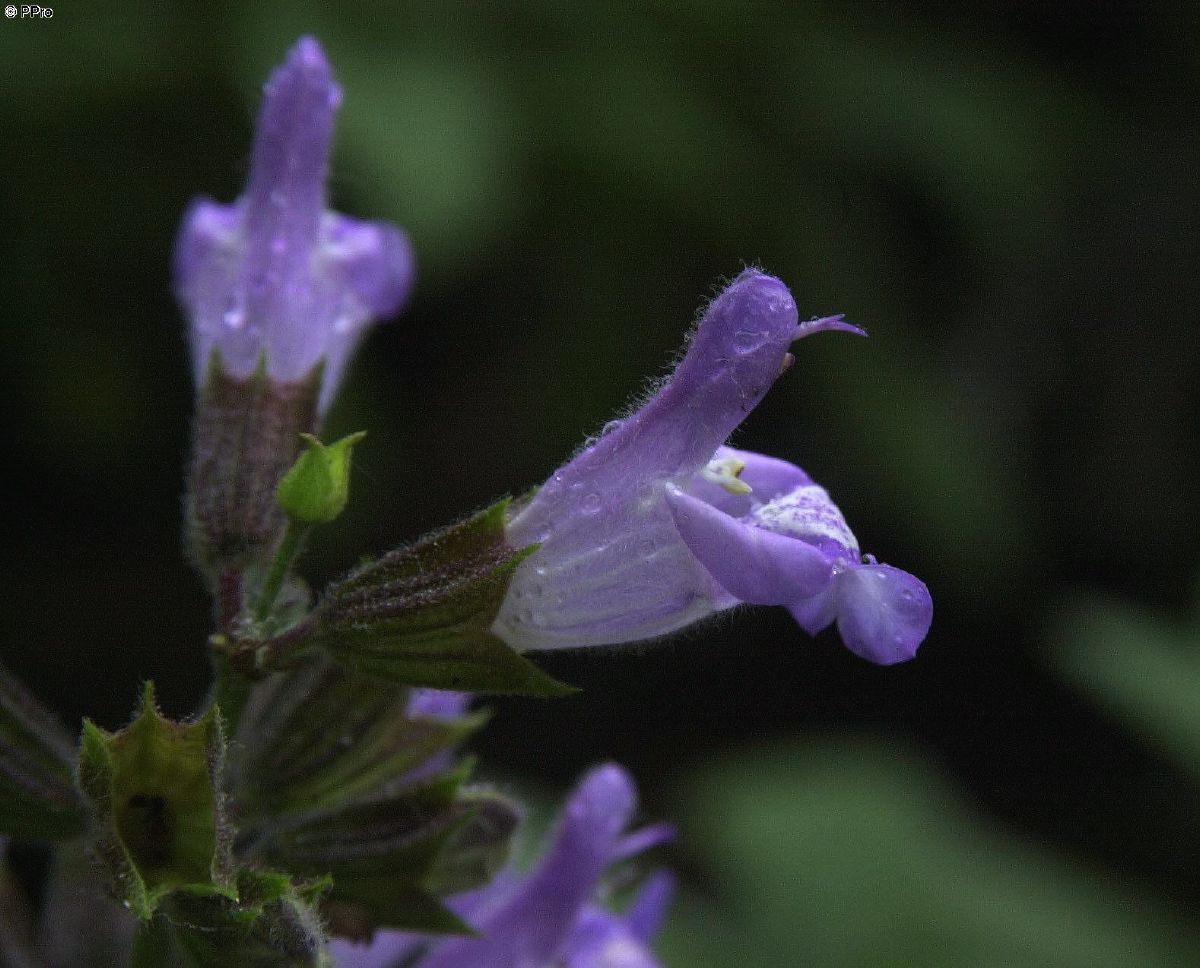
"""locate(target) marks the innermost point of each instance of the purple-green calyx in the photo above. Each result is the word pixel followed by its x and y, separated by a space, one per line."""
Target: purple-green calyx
pixel 275 275
pixel 656 524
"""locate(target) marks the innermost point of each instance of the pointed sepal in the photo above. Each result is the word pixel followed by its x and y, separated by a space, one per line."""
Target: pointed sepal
pixel 421 615
pixel 38 799
pixel 155 794
pixel 321 735
pixel 390 858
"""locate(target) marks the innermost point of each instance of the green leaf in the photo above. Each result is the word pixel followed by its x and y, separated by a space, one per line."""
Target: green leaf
pixel 37 789
pixel 456 658
pixel 421 615
pixel 317 487
pixel 320 735
pixel 154 789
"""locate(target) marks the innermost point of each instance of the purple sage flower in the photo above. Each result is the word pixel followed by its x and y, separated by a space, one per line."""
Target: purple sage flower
pixel 275 274
pixel 549 917
pixel 655 525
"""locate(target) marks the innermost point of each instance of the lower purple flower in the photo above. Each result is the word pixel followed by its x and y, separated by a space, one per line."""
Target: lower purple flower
pixel 550 917
pixel 655 524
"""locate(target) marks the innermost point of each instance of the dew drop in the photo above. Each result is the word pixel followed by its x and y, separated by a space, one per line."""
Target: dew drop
pixel 745 340
pixel 780 304
pixel 646 549
pixel 234 316
pixel 591 504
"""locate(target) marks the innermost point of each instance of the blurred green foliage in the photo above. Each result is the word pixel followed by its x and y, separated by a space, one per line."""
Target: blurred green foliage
pixel 859 854
pixel 1004 195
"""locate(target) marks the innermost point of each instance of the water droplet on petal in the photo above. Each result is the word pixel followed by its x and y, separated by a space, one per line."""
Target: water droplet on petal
pixel 235 315
pixel 745 340
pixel 591 504
pixel 780 304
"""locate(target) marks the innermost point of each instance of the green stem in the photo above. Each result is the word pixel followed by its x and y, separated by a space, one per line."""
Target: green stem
pixel 230 690
pixel 296 530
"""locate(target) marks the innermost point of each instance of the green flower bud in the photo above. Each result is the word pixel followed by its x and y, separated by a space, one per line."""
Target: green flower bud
pixel 317 487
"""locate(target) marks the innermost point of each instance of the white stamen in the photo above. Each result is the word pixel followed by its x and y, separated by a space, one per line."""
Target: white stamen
pixel 724 471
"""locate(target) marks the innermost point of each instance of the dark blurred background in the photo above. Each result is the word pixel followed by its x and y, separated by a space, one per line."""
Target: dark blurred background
pixel 1004 195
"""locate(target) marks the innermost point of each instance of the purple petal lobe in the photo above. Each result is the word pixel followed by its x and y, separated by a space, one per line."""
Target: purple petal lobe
pixel 603 940
pixel 755 566
pixel 883 613
pixel 376 262
pixel 816 613
pixel 649 909
pixel 437 704
pixel 531 924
